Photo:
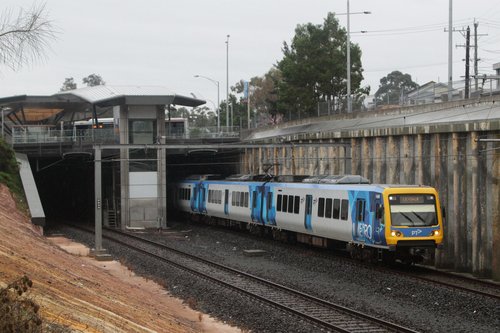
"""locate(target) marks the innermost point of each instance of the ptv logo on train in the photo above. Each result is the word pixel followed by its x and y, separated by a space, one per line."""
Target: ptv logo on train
pixel 416 232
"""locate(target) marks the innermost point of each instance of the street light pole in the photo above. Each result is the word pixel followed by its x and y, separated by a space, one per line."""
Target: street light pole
pixel 227 83
pixel 218 98
pixel 349 103
pixel 348 53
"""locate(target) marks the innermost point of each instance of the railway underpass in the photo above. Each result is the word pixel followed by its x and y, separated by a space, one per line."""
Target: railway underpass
pixel 452 146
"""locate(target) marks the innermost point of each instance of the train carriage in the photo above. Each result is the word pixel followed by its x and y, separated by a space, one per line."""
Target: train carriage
pixel 397 221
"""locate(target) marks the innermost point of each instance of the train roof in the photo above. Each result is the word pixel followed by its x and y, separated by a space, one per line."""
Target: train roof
pixel 359 182
pixel 322 179
pixel 337 179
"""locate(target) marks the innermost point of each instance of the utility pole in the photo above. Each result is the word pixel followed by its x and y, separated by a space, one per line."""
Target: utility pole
pixel 450 52
pixel 475 53
pixel 467 58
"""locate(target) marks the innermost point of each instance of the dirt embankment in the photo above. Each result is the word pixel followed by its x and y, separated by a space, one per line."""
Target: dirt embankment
pixel 84 294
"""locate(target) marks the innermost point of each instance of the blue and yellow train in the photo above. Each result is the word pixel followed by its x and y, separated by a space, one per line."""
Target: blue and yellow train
pixel 373 221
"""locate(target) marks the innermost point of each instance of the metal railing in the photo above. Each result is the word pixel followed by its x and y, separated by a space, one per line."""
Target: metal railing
pixel 43 134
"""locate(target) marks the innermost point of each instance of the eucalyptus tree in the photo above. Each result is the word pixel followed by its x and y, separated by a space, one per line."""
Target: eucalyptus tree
pixel 393 86
pixel 313 68
pixel 93 80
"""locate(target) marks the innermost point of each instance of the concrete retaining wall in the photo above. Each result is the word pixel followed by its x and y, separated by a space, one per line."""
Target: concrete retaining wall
pixel 465 171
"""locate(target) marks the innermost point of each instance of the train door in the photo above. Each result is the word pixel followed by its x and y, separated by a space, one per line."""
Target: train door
pixel 194 198
pixel 361 229
pixel 378 221
pixel 362 219
pixel 226 201
pixel 255 214
pixel 202 203
pixel 308 212
pixel 267 209
pixel 262 205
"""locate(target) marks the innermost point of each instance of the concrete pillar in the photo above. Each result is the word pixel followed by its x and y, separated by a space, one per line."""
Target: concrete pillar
pixel 379 161
pixel 260 158
pixel 279 163
pixel 293 161
pixel 300 161
pixel 367 159
pixel 331 155
pixel 124 172
pixel 443 258
pixel 162 169
pixel 494 182
pixel 474 188
pixel 459 205
pixel 355 157
pixel 419 160
pixel 392 158
pixel 408 156
pixel 480 191
pixel 322 160
pixel 336 160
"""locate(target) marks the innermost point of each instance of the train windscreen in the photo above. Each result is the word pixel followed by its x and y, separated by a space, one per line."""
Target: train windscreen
pixel 413 210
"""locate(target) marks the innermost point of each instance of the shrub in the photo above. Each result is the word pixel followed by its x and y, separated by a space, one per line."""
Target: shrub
pixel 18 313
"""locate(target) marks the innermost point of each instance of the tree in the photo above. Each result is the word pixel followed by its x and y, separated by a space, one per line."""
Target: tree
pixel 392 87
pixel 68 84
pixel 24 38
pixel 314 68
pixel 93 80
pixel 263 97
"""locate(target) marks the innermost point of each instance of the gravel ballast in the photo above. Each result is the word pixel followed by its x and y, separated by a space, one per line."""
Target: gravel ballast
pixel 406 301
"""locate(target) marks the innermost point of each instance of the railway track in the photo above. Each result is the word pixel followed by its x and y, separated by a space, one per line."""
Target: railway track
pixel 326 315
pixel 456 281
pixel 425 274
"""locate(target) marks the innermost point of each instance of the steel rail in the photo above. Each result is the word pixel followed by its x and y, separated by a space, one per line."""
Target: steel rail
pixel 361 321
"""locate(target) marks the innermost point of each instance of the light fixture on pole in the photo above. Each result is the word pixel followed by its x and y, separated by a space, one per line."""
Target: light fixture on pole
pixel 218 99
pixel 348 51
pixel 227 82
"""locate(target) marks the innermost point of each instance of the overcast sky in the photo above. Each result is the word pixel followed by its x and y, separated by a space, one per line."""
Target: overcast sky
pixel 166 42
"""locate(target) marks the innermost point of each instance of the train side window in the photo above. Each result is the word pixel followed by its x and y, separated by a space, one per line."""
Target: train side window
pixel 344 209
pixel 336 209
pixel 285 203
pixel 233 199
pixel 278 203
pixel 269 200
pixel 254 199
pixel 220 197
pixel 321 207
pixel 246 199
pixel 328 209
pixel 290 203
pixel 296 207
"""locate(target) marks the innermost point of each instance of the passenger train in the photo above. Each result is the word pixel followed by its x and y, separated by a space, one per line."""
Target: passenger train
pixel 373 221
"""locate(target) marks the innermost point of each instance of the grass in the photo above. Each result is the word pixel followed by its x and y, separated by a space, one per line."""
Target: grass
pixel 9 174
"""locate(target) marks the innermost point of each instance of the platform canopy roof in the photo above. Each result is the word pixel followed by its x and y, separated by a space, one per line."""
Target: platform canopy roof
pixel 25 109
pixel 131 95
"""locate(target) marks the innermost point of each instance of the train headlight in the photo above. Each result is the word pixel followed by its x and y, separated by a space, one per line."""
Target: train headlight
pixel 435 233
pixel 396 233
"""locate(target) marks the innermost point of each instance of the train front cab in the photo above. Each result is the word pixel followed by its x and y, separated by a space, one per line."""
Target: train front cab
pixel 413 221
